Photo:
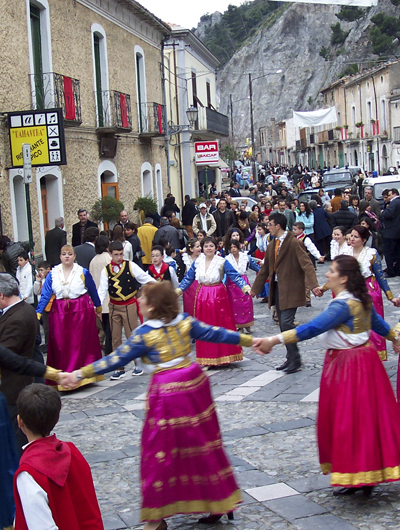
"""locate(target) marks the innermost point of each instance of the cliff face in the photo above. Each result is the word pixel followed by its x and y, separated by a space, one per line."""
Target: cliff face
pixel 292 44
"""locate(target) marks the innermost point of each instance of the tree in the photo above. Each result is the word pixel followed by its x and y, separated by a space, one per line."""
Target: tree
pixel 106 210
pixel 350 69
pixel 350 13
pixel 338 35
pixel 324 52
pixel 384 34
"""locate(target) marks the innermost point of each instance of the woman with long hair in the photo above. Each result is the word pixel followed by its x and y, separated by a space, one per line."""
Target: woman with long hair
pixel 211 303
pixel 306 216
pixel 375 279
pixel 358 424
pixel 193 251
pixel 233 233
pixel 338 243
pixel 118 235
pixel 184 468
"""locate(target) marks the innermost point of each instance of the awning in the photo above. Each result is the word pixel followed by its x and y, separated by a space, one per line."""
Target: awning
pixel 315 117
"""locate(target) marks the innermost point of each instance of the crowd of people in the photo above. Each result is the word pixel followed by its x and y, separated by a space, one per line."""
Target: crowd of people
pixel 88 294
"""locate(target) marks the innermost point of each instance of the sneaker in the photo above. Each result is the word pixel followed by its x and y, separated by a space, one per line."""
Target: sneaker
pixel 137 371
pixel 118 374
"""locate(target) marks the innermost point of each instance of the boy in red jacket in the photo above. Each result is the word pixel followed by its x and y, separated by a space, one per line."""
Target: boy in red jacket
pixel 53 486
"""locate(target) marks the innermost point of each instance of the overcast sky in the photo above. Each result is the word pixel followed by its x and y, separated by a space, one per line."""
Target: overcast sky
pixel 184 13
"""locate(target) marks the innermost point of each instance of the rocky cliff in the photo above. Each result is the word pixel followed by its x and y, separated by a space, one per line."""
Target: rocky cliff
pixel 293 44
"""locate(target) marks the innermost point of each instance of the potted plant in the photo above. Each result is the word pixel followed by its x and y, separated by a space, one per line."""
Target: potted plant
pixel 359 124
pixel 345 126
pixel 106 210
pixel 373 121
pixel 146 206
pixel 338 127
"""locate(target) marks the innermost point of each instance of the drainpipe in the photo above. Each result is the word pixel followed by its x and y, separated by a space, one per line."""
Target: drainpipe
pixel 164 96
pixel 376 118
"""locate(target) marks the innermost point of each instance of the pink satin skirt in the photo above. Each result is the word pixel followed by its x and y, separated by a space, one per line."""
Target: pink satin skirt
pixel 73 339
pixel 189 297
pixel 212 307
pixel 184 468
pixel 241 304
pixel 378 342
pixel 358 422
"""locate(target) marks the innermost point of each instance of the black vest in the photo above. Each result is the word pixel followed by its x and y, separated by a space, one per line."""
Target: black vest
pixel 122 285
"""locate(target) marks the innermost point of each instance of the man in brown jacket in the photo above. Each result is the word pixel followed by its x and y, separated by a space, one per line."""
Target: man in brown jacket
pixel 286 265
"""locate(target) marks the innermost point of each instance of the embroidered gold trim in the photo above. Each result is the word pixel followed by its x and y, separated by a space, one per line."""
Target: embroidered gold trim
pixel 290 336
pixel 187 507
pixel 183 385
pixel 245 340
pixel 84 382
pixel 190 452
pixel 362 477
pixel 220 360
pixel 382 355
pixel 51 374
pixel 183 421
pixel 88 371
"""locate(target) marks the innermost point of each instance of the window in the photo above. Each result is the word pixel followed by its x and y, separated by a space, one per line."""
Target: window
pixel 147 180
pixel 141 89
pixel 383 115
pixel 353 116
pixel 208 88
pixel 100 70
pixel 42 84
pixel 159 186
pixel 339 119
pixel 194 89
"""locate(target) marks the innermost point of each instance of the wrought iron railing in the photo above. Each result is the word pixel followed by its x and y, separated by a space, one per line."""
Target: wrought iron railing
pixel 52 90
pixel 151 119
pixel 113 110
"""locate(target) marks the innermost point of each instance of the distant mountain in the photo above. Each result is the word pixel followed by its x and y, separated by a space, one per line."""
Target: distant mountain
pixel 313 45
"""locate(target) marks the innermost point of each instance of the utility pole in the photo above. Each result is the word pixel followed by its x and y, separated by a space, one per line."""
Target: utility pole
pixel 233 140
pixel 252 130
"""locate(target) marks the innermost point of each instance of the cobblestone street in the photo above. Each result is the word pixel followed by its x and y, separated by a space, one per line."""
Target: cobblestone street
pixel 267 421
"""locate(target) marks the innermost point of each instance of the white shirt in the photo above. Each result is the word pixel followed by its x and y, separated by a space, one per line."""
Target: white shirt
pixel 214 273
pixel 139 274
pixel 174 278
pixel 35 503
pixel 25 278
pixel 203 219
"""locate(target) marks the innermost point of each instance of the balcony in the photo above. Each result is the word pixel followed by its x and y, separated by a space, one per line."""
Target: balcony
pixel 211 123
pixel 113 111
pixel 51 90
pixel 151 120
pixel 312 139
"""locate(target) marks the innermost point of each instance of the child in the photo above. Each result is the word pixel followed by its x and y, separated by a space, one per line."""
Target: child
pixel 122 280
pixel 25 277
pixel 170 255
pixel 53 486
pixel 298 231
pixel 220 247
pixel 201 234
pixel 160 270
pixel 43 271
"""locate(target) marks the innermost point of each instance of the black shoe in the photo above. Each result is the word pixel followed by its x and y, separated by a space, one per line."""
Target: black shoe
pixel 367 491
pixel 214 518
pixel 345 491
pixel 308 304
pixel 282 366
pixel 292 368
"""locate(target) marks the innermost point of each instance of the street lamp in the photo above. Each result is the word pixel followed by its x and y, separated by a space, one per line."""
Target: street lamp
pixel 192 114
pixel 251 114
pixel 231 106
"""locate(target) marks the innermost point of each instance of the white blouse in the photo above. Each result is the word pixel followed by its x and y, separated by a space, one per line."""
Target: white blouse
pixel 214 273
pixel 336 251
pixel 72 287
pixel 240 266
pixel 364 259
pixel 187 260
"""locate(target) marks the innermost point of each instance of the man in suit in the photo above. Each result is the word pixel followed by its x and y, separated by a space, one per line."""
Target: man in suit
pixel 78 229
pixel 224 218
pixel 18 329
pixel 234 190
pixel 86 252
pixel 375 206
pixel 287 266
pixel 55 239
pixel 391 233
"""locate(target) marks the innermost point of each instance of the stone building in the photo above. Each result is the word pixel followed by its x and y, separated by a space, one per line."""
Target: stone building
pixel 101 62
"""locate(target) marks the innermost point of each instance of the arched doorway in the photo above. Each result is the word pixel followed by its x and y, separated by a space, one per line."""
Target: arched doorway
pixel 50 198
pixel 108 180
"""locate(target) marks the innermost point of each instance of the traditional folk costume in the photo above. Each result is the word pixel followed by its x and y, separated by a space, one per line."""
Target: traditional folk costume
pixel 73 338
pixel 164 272
pixel 8 465
pixel 184 468
pixel 314 254
pixel 262 242
pixel 358 425
pixel 212 306
pixel 241 303
pixel 338 251
pixel 189 295
pixel 375 279
pixel 122 282
pixel 53 487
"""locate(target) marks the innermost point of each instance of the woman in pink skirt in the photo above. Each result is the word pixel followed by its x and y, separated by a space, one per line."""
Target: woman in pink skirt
pixel 73 338
pixel 193 251
pixel 184 468
pixel 375 279
pixel 211 303
pixel 358 425
pixel 242 305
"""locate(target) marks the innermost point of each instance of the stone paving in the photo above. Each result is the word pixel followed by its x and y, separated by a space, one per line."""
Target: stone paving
pixel 268 424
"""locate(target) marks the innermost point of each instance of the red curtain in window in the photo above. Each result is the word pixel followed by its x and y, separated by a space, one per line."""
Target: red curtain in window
pixel 124 112
pixel 160 122
pixel 70 112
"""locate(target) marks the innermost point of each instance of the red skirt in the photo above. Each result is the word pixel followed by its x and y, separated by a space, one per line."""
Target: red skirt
pixel 184 468
pixel 358 420
pixel 212 307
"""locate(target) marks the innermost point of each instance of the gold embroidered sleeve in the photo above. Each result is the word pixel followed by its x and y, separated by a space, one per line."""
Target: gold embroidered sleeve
pixel 39 316
pixel 325 288
pixel 178 291
pixel 99 309
pixel 290 336
pixel 392 335
pixel 51 374
pixel 389 295
pixel 246 289
pixel 245 340
pixel 87 371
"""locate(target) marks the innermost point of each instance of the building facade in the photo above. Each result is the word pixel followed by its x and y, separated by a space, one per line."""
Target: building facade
pixel 100 61
pixel 190 81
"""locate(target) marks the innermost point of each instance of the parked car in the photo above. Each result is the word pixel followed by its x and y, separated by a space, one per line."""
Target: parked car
pixel 337 178
pixel 284 178
pixel 378 184
pixel 353 170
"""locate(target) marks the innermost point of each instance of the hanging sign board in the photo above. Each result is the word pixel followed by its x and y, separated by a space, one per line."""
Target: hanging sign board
pixel 44 131
pixel 206 153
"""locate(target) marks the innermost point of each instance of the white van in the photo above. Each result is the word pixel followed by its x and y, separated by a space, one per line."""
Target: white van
pixel 379 184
